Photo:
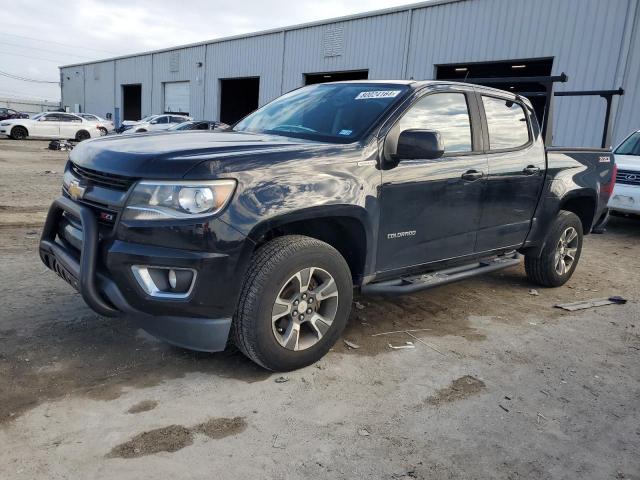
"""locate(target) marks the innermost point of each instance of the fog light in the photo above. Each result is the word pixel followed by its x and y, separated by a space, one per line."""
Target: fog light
pixel 165 282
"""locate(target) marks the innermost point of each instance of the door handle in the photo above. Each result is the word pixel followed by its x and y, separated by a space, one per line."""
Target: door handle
pixel 472 175
pixel 531 170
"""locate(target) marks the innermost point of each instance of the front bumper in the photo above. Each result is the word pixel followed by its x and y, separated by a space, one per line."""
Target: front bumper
pixel 103 279
pixel 625 198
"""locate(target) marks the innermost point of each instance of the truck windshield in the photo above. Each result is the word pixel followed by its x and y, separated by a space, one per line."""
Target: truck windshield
pixel 631 146
pixel 330 112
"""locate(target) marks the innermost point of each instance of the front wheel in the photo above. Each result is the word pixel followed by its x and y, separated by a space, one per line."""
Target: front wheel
pixel 19 133
pixel 561 252
pixel 294 304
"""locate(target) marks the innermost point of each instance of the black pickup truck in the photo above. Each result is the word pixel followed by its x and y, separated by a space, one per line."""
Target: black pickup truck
pixel 260 234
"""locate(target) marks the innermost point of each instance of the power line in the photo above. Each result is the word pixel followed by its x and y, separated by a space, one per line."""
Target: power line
pixel 44 49
pixel 31 56
pixel 24 79
pixel 59 43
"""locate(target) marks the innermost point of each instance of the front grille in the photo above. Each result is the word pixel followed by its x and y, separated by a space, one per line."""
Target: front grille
pixel 628 177
pixel 108 180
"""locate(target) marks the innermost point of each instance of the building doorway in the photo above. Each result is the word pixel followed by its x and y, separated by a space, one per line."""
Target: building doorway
pixel 538 67
pixel 238 98
pixel 131 102
pixel 313 78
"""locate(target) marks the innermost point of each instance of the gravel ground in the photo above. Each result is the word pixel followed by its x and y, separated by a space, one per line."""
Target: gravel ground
pixel 500 383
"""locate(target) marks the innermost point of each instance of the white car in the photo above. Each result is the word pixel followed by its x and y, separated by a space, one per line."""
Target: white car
pixel 154 123
pixel 104 125
pixel 50 125
pixel 626 193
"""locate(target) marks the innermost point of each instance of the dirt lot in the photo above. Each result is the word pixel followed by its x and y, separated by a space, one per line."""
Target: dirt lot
pixel 500 383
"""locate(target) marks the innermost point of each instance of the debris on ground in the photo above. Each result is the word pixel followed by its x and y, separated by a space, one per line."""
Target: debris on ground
pixel 358 305
pixel 598 302
pixel 540 416
pixel 63 145
pixel 363 432
pixel 533 292
pixel 400 347
pixel 504 408
pixel 351 344
pixel 282 379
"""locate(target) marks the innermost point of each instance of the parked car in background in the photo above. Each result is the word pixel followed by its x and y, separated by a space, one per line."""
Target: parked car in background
pixel 105 126
pixel 155 123
pixel 50 125
pixel 199 125
pixel 7 113
pixel 626 193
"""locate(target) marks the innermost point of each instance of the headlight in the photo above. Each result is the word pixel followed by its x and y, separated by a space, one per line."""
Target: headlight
pixel 4 124
pixel 167 200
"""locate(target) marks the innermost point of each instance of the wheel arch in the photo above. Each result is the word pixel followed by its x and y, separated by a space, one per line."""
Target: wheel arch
pixel 19 125
pixel 343 227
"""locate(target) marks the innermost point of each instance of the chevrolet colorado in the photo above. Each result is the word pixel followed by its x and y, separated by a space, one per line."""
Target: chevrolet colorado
pixel 260 234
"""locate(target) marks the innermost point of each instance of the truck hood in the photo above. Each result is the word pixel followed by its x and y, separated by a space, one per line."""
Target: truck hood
pixel 170 155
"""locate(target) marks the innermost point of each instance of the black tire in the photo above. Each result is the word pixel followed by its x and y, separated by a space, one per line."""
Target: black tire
pixel 19 133
pixel 542 270
pixel 271 267
pixel 103 131
pixel 82 135
pixel 142 130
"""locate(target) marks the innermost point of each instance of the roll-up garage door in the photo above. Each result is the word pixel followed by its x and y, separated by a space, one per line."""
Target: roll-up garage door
pixel 176 97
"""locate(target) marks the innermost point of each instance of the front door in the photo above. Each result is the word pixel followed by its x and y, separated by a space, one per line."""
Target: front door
pixel 48 126
pixel 430 209
pixel 516 173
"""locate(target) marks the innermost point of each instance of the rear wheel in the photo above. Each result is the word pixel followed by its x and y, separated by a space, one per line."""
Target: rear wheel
pixel 294 304
pixel 103 131
pixel 82 135
pixel 142 130
pixel 561 252
pixel 19 133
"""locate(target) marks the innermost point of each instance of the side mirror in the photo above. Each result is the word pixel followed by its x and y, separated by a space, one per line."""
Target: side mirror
pixel 419 144
pixel 153 122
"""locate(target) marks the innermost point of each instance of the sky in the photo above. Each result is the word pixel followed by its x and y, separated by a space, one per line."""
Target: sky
pixel 37 36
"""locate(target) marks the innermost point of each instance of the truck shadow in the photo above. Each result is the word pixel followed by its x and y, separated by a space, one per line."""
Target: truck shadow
pixel 96 357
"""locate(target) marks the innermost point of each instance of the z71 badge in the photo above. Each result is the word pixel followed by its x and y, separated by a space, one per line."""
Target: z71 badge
pixel 410 233
pixel 604 159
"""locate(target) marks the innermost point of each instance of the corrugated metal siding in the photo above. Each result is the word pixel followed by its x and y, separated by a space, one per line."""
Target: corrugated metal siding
pixel 374 43
pixel 586 38
pixel 628 117
pixel 248 57
pixel 99 93
pixel 583 36
pixel 73 87
pixel 132 71
pixel 186 60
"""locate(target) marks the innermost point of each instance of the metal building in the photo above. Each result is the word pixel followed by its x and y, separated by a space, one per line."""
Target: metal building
pixel 595 42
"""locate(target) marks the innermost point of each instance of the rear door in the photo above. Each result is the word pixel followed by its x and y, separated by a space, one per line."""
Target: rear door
pixel 517 165
pixel 430 209
pixel 69 125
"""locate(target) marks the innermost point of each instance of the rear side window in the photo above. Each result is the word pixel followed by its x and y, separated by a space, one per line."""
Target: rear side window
pixel 447 113
pixel 506 122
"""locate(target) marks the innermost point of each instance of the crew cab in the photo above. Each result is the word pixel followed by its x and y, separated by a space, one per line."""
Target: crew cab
pixel 626 194
pixel 50 125
pixel 260 234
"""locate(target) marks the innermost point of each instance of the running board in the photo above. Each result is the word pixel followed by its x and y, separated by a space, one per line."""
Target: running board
pixel 416 283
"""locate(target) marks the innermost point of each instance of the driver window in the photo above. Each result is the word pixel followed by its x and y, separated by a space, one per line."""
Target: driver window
pixel 447 113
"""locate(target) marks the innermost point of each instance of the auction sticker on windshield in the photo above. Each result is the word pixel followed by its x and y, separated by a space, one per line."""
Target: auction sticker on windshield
pixel 377 94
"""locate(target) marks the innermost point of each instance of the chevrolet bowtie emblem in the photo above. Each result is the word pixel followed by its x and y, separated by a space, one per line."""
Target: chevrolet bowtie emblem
pixel 76 191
